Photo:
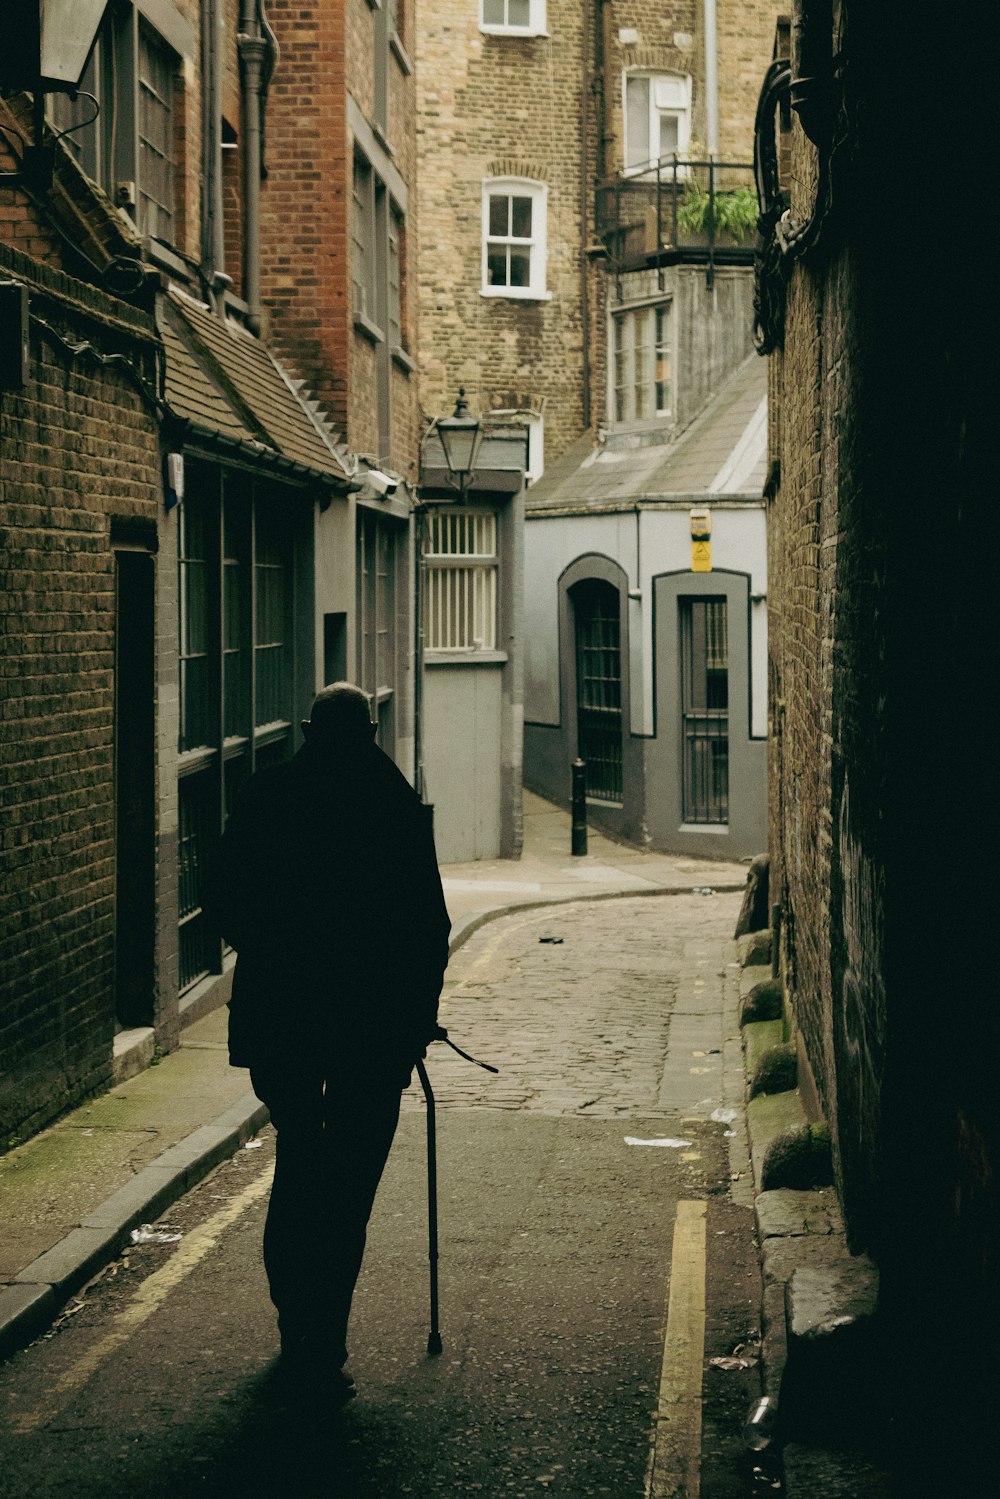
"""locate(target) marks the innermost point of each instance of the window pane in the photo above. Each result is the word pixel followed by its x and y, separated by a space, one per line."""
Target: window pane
pixel 496 268
pixel 499 214
pixel 521 218
pixel 663 392
pixel 620 378
pixel 493 12
pixel 518 12
pixel 520 268
pixel 271 655
pixel 670 93
pixel 636 122
pixel 669 135
pixel 155 100
pixel 643 360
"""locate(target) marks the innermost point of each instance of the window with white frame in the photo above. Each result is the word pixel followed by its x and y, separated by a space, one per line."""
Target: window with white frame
pixel 514 17
pixel 460 570
pixel 641 358
pixel 657 118
pixel 514 237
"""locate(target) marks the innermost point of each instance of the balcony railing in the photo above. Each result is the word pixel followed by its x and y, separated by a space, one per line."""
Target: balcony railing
pixel 676 205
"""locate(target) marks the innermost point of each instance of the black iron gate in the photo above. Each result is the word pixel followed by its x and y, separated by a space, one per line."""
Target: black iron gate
pixel 599 687
pixel 705 710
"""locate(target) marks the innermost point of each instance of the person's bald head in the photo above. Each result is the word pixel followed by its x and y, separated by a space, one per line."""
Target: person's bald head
pixel 340 718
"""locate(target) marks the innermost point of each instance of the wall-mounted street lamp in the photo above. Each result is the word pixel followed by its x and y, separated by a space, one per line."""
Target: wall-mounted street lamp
pixel 47 44
pixel 460 435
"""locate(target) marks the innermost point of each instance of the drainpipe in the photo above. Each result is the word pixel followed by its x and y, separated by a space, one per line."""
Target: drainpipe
pixel 213 252
pixel 711 81
pixel 585 217
pixel 253 52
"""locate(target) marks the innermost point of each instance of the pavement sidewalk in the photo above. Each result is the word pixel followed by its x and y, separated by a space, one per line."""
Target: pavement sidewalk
pixel 70 1197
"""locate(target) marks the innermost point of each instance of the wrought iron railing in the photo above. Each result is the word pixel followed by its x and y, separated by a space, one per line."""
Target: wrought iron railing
pixel 674 205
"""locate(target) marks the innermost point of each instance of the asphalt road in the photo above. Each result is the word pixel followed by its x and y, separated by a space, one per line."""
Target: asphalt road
pixel 586 1282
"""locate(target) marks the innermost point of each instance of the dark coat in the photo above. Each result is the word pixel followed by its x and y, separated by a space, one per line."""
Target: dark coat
pixel 327 886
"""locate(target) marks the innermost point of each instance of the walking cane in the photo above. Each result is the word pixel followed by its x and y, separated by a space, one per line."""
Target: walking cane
pixel 434 1339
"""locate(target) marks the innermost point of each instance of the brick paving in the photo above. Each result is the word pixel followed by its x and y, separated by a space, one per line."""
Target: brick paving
pixel 626 1015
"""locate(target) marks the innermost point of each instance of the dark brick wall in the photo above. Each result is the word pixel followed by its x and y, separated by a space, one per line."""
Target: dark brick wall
pixel 79 447
pixel 882 630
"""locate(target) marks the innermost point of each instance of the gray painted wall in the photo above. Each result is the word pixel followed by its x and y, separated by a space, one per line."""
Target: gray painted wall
pixel 472 718
pixel 635 549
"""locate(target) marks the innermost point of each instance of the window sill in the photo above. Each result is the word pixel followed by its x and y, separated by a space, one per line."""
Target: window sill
pixel 403 360
pixel 268 733
pixel 368 329
pixel 401 55
pixel 516 293
pixel 379 132
pixel 519 31
pixel 465 658
pixel 192 760
pixel 720 829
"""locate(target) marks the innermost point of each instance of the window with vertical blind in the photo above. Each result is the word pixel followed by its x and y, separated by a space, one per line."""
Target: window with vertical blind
pixel 460 590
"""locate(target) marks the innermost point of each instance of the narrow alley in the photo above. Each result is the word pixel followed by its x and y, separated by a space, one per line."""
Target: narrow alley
pixel 588 1275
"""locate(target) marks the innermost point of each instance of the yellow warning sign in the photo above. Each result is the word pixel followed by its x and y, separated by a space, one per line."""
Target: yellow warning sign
pixel 701 556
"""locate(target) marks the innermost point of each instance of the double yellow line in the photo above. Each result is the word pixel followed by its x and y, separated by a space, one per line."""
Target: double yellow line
pixel 675 1460
pixel 148 1298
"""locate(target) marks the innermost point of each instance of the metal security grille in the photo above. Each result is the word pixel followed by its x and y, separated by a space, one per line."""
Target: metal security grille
pixel 599 687
pixel 461 566
pixel 705 710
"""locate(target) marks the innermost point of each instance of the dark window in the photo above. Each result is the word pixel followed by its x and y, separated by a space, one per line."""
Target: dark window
pixel 705 709
pixel 155 170
pixel 376 578
pixel 597 612
pixel 128 146
pixel 237 670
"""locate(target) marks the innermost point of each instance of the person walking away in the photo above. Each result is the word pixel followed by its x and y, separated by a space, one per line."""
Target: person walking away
pixel 327 886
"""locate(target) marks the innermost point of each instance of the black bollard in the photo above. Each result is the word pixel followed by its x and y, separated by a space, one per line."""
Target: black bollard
pixel 579 807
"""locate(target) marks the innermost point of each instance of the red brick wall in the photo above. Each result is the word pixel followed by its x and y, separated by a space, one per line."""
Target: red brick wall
pixel 327 54
pixel 79 446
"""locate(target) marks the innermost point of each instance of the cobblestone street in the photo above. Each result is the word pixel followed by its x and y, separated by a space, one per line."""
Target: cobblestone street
pixel 586 1282
pixel 598 1009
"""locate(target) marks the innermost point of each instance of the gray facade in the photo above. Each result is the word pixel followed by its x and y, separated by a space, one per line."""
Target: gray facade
pixel 616 524
pixel 471 671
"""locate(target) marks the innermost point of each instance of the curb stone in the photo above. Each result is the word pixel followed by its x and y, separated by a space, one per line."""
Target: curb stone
pixel 33 1299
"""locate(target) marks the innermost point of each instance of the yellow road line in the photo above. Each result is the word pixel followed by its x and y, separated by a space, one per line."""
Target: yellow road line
pixel 148 1298
pixel 675 1462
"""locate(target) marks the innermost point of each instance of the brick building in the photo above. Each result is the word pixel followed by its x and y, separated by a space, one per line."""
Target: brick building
pixel 577 163
pixel 881 535
pixel 165 487
pixel 338 289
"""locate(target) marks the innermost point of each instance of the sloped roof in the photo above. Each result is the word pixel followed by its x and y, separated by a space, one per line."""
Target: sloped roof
pixel 723 454
pixel 225 381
